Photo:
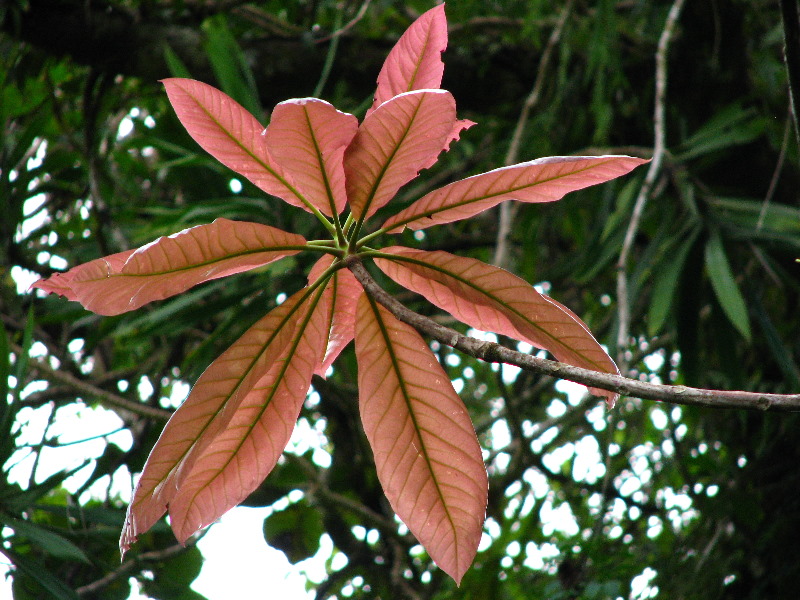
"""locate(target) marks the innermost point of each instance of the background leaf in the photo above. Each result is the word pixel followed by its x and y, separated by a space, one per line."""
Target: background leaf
pixel 724 283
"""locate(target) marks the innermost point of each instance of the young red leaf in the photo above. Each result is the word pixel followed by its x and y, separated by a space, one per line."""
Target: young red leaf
pixel 426 452
pixel 307 137
pixel 61 283
pixel 542 180
pixel 212 403
pixel 240 456
pixel 171 265
pixel 401 137
pixel 233 136
pixel 346 291
pixel 415 62
pixel 492 299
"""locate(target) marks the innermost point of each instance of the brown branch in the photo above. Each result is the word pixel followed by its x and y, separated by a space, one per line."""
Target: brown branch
pixel 105 397
pixel 508 210
pixel 623 302
pixel 130 565
pixel 491 352
pixel 790 13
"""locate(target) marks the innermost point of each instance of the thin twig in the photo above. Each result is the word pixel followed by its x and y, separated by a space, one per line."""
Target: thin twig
pixel 347 26
pixel 773 183
pixel 491 352
pixel 105 397
pixel 508 210
pixel 790 13
pixel 623 301
pixel 130 565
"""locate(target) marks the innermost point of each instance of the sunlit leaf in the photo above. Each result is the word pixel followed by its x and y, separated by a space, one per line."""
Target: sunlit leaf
pixel 229 133
pixel 346 291
pixel 401 137
pixel 61 283
pixel 307 137
pixel 171 265
pixel 426 452
pixel 542 180
pixel 49 541
pixel 415 62
pixel 724 284
pixel 492 299
pixel 211 405
pixel 240 456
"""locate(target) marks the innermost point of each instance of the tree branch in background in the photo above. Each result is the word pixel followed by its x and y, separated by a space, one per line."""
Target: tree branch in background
pixel 790 12
pixel 491 352
pixel 623 301
pixel 509 209
pixel 104 397
pixel 131 565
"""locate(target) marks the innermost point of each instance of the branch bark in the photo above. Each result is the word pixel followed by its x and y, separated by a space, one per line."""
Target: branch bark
pixel 104 397
pixel 491 352
pixel 623 300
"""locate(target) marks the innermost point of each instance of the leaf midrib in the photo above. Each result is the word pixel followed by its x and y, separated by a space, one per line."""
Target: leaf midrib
pixel 438 210
pixel 424 265
pixel 407 399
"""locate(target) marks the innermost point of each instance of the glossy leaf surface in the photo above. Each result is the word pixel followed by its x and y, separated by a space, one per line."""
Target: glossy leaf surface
pixel 397 140
pixel 307 137
pixel 233 136
pixel 415 62
pixel 171 265
pixel 542 180
pixel 492 299
pixel 426 452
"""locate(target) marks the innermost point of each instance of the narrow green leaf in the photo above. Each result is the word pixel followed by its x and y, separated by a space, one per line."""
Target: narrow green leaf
pixel 6 410
pixel 230 65
pixel 177 67
pixel 21 366
pixel 51 584
pixel 52 543
pixel 666 282
pixel 724 284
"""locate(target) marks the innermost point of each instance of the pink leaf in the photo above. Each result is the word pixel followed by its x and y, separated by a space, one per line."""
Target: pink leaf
pixel 307 137
pixel 240 456
pixel 346 291
pixel 226 383
pixel 170 265
pixel 401 137
pixel 542 180
pixel 491 299
pixel 426 452
pixel 233 136
pixel 61 283
pixel 415 62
